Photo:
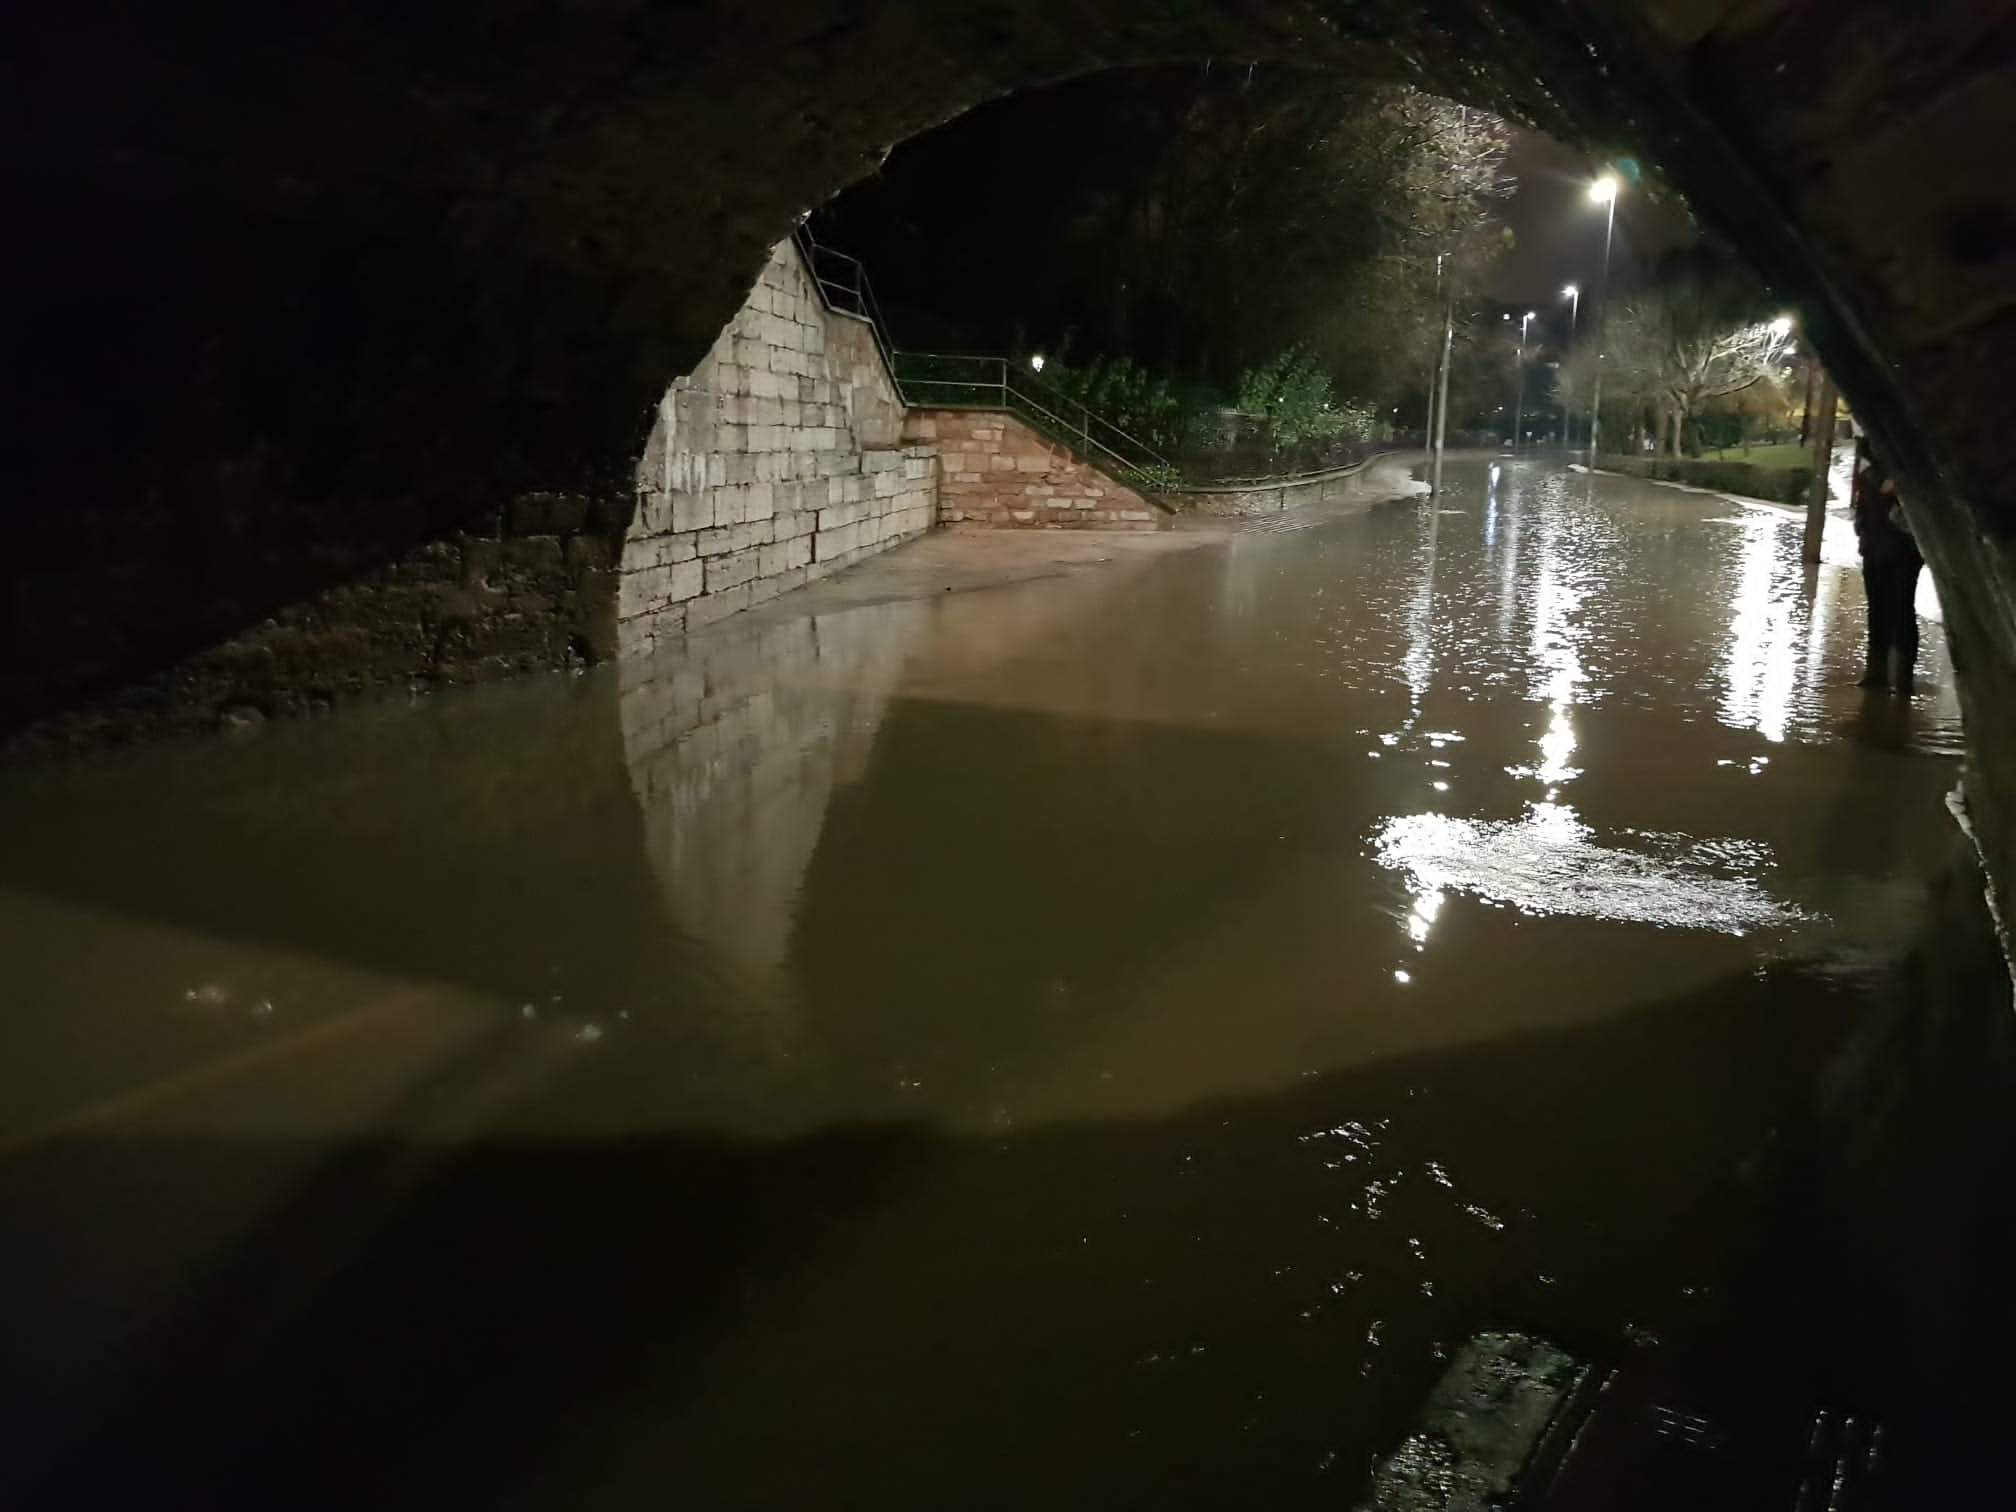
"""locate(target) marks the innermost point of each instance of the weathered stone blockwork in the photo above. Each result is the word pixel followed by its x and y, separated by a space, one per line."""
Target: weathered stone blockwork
pixel 779 459
pixel 995 471
pixel 525 590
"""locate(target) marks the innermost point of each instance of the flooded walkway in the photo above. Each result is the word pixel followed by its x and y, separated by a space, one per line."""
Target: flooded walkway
pixel 1095 1039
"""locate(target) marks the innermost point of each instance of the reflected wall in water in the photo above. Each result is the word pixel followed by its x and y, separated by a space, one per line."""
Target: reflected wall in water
pixel 735 746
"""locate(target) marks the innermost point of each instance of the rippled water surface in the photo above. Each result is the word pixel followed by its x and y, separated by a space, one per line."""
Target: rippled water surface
pixel 1098 1041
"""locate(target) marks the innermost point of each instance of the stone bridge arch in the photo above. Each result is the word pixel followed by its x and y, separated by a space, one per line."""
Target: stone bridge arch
pixel 348 323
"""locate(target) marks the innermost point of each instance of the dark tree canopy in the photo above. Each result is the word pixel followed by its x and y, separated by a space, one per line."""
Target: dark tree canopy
pixel 1198 219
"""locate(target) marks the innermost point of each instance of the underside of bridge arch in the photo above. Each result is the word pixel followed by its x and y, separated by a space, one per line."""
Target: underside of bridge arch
pixel 349 322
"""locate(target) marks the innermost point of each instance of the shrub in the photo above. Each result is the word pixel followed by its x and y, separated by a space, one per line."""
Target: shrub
pixel 1295 397
pixel 1125 395
pixel 1781 485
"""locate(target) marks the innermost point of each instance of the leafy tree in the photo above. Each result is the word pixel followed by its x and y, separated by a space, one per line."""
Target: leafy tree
pixel 1293 397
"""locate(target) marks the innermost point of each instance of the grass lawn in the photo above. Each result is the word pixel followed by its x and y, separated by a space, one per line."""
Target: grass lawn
pixel 1790 455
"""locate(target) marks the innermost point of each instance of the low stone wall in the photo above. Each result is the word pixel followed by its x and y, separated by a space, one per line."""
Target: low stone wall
pixel 1232 500
pixel 995 471
pixel 779 459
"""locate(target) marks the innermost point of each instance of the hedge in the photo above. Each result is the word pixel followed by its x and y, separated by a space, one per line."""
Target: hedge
pixel 1781 485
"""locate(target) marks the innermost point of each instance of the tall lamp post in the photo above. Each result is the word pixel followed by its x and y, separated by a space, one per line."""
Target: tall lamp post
pixel 1573 295
pixel 1519 402
pixel 1438 381
pixel 1602 192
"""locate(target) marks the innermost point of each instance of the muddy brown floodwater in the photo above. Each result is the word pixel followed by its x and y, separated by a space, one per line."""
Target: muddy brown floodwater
pixel 1099 1039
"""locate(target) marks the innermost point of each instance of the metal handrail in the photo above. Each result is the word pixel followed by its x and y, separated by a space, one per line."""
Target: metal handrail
pixel 998 383
pixel 844 287
pixel 848 293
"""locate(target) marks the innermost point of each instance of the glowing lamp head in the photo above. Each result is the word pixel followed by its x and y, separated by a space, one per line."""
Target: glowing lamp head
pixel 1571 292
pixel 1782 326
pixel 1604 189
pixel 1036 362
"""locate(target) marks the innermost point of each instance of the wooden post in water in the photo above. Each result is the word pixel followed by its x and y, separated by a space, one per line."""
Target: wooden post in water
pixel 1823 464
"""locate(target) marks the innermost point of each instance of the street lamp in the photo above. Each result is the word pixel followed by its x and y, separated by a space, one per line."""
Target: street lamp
pixel 1573 294
pixel 1036 362
pixel 1519 406
pixel 1603 192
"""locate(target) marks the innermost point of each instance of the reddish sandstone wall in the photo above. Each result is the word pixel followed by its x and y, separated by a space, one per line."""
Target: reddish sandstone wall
pixel 994 471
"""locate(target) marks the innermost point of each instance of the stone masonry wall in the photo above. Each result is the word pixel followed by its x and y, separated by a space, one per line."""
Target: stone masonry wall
pixel 995 471
pixel 524 588
pixel 779 459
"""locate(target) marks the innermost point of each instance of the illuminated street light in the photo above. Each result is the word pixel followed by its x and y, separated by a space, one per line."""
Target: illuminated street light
pixel 1519 409
pixel 1782 326
pixel 1603 192
pixel 1573 294
pixel 1036 362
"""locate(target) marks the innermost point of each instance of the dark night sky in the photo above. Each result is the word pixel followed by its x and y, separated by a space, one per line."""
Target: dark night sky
pixel 1558 233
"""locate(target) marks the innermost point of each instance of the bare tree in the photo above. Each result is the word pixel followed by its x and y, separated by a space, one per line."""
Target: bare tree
pixel 1702 332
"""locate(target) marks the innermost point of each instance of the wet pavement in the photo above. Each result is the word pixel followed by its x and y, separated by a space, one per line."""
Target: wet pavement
pixel 1096 1039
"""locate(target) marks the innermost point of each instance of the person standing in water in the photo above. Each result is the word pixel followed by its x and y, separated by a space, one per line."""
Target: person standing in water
pixel 1890 566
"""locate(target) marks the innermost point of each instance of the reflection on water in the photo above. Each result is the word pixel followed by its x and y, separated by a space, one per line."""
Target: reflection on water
pixel 1550 863
pixel 1164 1010
pixel 1760 670
pixel 734 752
pixel 1558 673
